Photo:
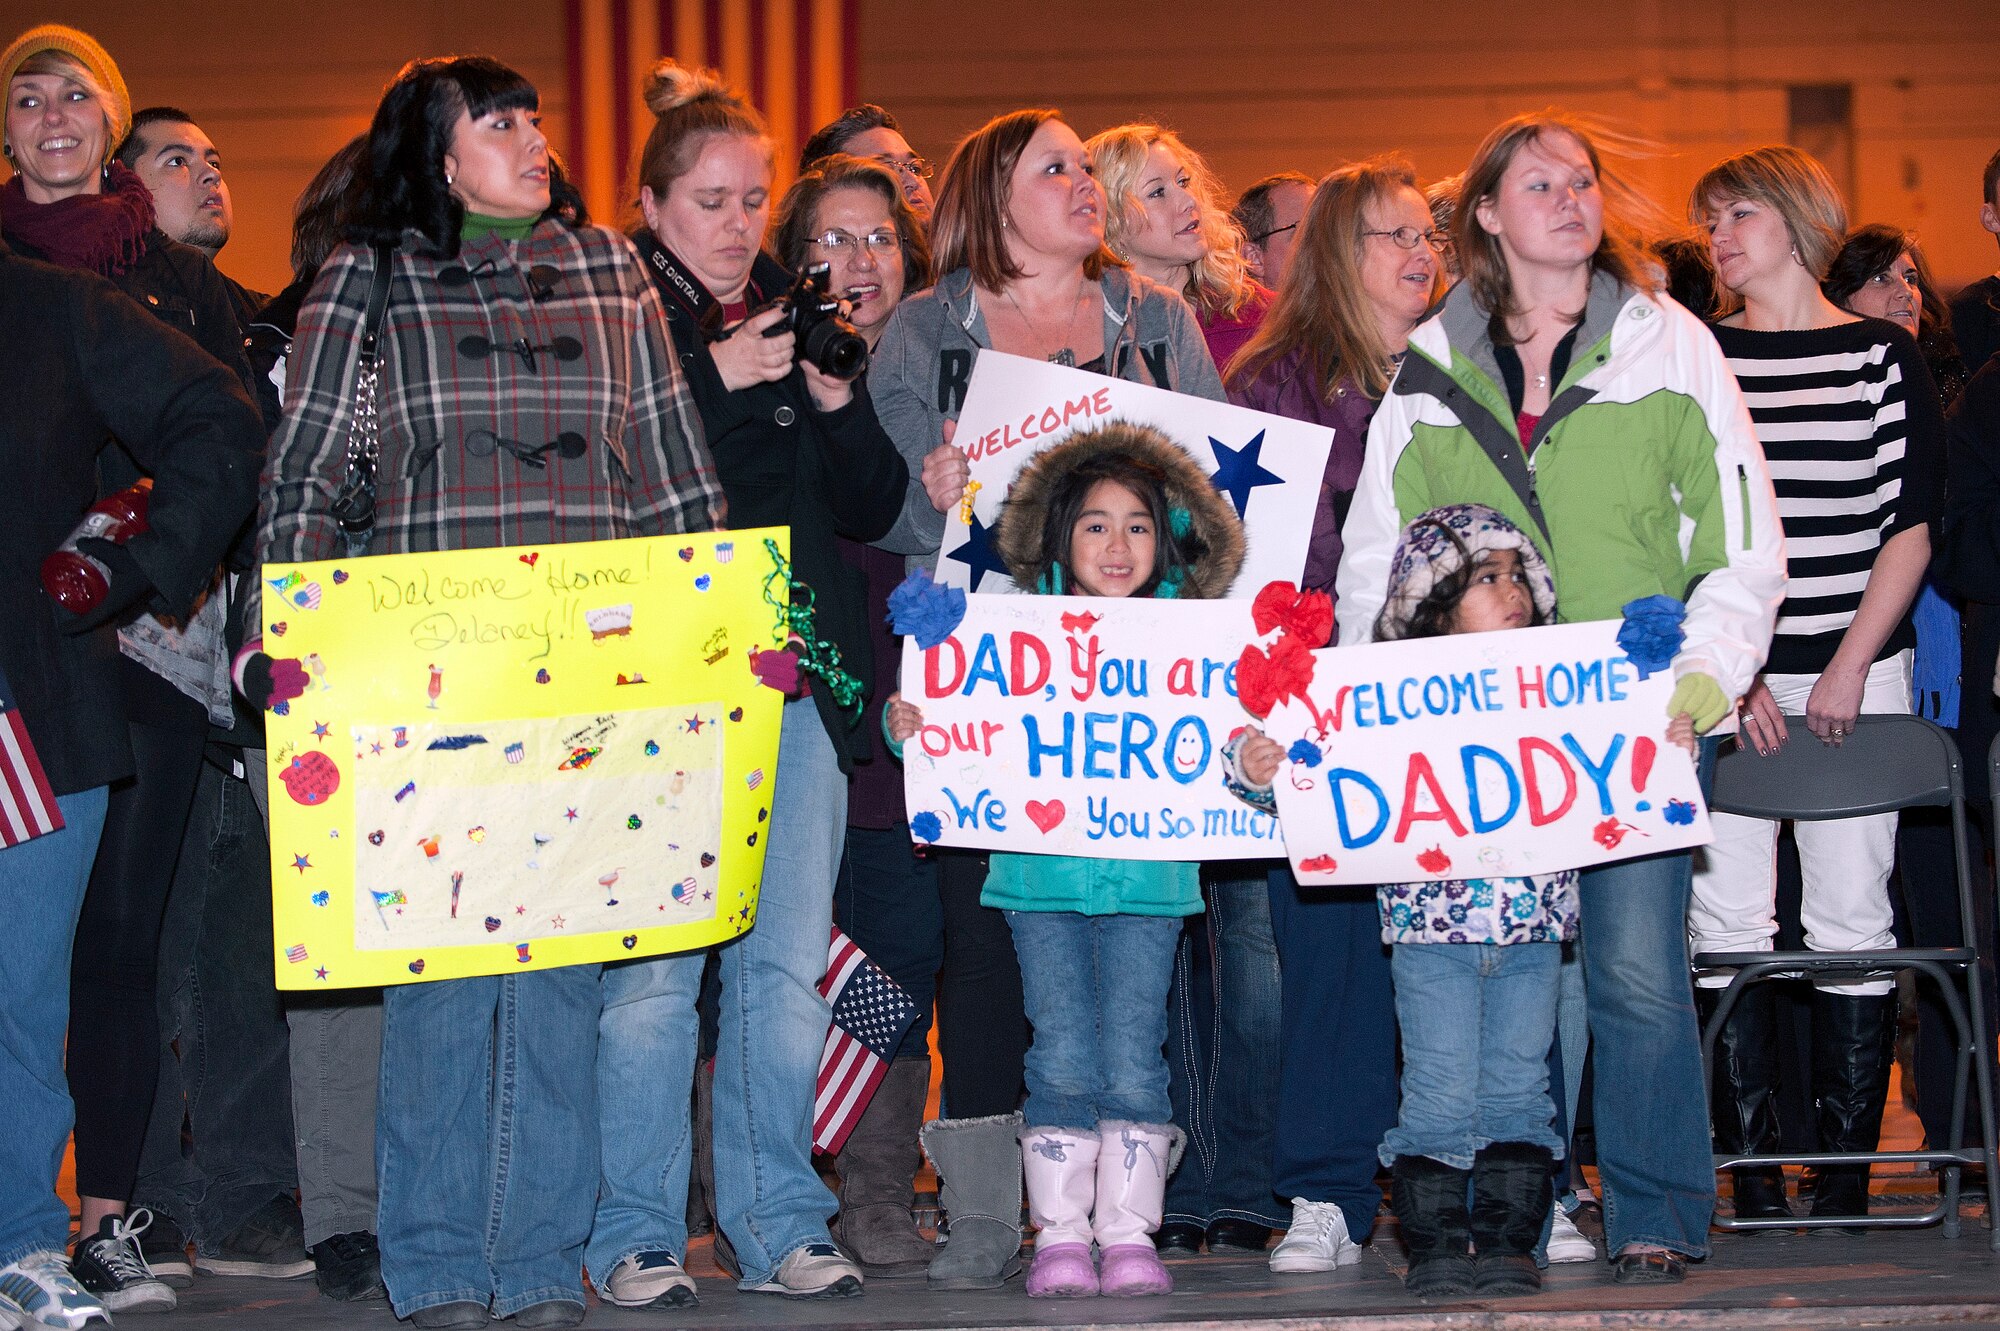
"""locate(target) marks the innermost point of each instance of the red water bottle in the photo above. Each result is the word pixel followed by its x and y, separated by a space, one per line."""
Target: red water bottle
pixel 74 579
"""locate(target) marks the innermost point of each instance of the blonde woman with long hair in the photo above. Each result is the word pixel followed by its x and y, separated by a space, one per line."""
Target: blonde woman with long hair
pixel 1166 216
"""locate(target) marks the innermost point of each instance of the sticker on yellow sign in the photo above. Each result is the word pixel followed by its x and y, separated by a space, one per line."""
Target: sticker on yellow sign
pixel 518 758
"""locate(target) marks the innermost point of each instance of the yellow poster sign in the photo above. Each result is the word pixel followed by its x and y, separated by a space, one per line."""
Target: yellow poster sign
pixel 519 758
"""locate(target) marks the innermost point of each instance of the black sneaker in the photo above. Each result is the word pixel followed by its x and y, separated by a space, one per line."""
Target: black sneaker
pixel 348 1267
pixel 165 1247
pixel 110 1265
pixel 271 1244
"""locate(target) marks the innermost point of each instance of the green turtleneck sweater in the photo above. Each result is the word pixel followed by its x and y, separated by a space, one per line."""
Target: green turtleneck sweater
pixel 478 226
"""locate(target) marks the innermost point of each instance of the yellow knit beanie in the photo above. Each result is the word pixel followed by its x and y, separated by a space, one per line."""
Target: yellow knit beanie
pixel 84 49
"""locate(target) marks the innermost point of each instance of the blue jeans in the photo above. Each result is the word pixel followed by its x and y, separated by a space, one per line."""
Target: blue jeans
pixel 1476 1019
pixel 1222 1058
pixel 1096 991
pixel 1337 1035
pixel 768 1200
pixel 225 1064
pixel 486 1138
pixel 1650 1104
pixel 41 882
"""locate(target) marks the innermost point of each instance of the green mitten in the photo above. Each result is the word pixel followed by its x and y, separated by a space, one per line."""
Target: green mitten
pixel 1697 694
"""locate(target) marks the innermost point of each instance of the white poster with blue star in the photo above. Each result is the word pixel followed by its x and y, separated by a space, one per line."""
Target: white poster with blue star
pixel 1480 755
pixel 1270 467
pixel 1081 725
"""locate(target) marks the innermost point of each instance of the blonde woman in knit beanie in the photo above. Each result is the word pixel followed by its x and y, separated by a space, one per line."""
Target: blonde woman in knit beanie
pixel 70 204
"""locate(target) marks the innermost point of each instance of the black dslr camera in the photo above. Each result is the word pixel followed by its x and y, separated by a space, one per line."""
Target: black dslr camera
pixel 825 340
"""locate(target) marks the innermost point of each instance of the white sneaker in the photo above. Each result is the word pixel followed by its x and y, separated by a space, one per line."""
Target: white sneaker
pixel 1566 1241
pixel 39 1291
pixel 1317 1240
pixel 650 1280
pixel 816 1271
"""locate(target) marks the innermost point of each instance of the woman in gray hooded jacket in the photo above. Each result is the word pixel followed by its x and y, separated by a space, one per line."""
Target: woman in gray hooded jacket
pixel 1018 234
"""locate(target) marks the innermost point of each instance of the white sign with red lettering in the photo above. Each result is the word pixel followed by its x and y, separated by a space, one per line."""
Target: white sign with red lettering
pixel 1270 467
pixel 1481 755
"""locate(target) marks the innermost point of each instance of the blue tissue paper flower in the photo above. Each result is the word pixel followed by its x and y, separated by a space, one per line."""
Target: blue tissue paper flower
pixel 1304 751
pixel 925 826
pixel 1651 634
pixel 921 609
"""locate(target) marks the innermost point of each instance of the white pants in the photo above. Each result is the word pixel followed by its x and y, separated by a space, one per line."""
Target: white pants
pixel 1846 862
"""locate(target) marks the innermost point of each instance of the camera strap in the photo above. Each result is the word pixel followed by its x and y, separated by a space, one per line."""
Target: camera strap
pixel 681 287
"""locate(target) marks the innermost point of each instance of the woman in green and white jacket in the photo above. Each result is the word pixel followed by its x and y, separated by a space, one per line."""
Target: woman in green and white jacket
pixel 1559 386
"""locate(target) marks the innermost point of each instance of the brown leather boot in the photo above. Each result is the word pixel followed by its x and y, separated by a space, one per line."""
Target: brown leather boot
pixel 877 1165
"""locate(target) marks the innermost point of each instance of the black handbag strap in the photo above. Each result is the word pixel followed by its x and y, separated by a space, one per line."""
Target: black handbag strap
pixel 378 303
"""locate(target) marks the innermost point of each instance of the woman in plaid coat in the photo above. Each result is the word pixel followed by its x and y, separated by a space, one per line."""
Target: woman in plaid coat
pixel 528 394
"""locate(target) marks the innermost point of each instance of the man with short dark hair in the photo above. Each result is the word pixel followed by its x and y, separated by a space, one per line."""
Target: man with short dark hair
pixel 1270 212
pixel 1975 314
pixel 182 169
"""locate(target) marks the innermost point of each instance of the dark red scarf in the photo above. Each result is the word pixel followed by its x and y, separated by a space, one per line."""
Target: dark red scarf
pixel 105 233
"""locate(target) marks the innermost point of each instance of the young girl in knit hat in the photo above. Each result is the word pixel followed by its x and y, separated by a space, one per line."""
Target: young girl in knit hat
pixel 1476 1018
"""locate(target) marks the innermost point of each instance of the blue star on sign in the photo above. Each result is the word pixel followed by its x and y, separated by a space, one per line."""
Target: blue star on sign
pixel 978 554
pixel 1238 471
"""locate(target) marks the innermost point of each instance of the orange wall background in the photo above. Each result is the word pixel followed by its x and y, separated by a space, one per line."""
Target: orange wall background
pixel 1256 85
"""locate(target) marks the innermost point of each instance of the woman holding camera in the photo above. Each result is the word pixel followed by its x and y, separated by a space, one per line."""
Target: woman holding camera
pixel 796 446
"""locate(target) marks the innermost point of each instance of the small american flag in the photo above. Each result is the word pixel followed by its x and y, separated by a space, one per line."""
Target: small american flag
pixel 870 1014
pixel 295 953
pixel 27 805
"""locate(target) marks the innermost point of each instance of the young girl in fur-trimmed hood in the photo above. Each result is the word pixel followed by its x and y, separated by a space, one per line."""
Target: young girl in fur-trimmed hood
pixel 1118 511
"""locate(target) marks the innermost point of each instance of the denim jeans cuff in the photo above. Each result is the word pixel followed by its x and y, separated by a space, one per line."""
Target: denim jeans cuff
pixel 9 1256
pixel 438 1298
pixel 1681 1246
pixel 571 1293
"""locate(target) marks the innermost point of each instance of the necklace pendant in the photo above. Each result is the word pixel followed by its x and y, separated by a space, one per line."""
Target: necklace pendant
pixel 1064 357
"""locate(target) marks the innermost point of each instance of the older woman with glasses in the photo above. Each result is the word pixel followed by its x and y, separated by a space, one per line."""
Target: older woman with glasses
pixel 1362 276
pixel 869 131
pixel 851 213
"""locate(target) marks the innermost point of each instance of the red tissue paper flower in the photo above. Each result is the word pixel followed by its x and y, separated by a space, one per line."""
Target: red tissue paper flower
pixel 1263 681
pixel 1306 615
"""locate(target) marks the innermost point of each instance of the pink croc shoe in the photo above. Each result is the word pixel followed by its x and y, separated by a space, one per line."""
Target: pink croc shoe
pixel 1062 1271
pixel 1132 1271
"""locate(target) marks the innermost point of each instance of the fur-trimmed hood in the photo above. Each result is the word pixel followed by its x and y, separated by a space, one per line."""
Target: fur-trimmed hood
pixel 1212 545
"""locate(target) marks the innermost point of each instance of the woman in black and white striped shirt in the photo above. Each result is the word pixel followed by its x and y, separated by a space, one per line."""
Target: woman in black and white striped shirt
pixel 1850 424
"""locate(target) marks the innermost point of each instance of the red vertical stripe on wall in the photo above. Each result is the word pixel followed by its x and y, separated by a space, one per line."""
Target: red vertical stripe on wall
pixel 760 64
pixel 712 31
pixel 850 55
pixel 573 111
pixel 669 39
pixel 802 69
pixel 621 103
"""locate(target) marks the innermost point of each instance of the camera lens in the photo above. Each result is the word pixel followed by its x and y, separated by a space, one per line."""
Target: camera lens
pixel 835 349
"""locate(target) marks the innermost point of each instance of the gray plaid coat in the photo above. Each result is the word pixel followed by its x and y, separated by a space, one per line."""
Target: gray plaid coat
pixel 486 357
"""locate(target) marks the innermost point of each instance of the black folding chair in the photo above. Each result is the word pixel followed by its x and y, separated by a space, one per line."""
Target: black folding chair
pixel 1886 763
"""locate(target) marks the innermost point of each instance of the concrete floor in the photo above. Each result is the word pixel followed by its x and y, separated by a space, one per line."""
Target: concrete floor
pixel 1887 1278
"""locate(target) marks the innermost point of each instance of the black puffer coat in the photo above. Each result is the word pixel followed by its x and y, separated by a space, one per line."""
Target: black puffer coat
pixel 79 363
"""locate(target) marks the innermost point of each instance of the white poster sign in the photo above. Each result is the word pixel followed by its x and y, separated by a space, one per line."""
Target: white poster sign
pixel 1481 755
pixel 1072 725
pixel 1270 467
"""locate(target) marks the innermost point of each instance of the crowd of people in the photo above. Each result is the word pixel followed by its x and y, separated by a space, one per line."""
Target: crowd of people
pixel 1548 397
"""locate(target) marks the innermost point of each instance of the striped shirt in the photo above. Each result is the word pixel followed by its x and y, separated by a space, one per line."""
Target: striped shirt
pixel 1851 428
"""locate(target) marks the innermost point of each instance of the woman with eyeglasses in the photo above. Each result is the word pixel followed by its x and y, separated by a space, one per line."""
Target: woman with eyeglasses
pixel 1557 387
pixel 1165 216
pixel 1018 240
pixel 852 214
pixel 1850 421
pixel 1362 276
pixel 870 131
pixel 796 444
pixel 528 395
